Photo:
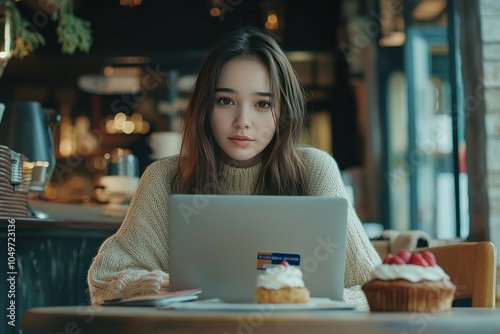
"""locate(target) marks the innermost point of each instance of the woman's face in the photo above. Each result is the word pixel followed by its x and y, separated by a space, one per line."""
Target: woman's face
pixel 242 118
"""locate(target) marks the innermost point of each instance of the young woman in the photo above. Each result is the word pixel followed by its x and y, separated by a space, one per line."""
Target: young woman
pixel 241 135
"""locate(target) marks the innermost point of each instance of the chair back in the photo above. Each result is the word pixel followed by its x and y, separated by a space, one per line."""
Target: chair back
pixel 472 268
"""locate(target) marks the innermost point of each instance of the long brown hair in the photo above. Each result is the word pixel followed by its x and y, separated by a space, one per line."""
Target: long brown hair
pixel 282 170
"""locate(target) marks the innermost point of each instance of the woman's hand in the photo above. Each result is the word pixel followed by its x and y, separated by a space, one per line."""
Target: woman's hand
pixel 165 284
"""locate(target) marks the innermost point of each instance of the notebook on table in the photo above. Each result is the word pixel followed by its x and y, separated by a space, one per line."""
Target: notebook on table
pixel 221 243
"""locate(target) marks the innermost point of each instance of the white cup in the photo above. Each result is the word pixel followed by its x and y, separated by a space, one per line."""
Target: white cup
pixel 120 179
pixel 165 144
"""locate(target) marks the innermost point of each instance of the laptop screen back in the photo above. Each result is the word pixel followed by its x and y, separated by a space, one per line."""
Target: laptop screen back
pixel 221 243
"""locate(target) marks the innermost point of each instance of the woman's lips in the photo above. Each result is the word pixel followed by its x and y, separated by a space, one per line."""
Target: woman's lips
pixel 241 141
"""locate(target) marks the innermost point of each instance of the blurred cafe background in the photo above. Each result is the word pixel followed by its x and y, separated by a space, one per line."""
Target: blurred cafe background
pixel 405 94
pixel 411 115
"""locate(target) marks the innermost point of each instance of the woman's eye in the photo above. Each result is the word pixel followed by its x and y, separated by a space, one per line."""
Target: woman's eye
pixel 224 101
pixel 263 105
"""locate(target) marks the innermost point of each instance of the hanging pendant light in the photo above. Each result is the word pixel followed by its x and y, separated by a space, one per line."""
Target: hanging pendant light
pixel 6 47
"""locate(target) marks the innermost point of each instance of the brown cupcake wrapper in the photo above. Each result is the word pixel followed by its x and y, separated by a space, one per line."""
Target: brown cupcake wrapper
pixel 409 297
pixel 282 296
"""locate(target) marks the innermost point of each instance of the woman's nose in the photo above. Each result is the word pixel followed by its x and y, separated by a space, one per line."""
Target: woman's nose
pixel 243 120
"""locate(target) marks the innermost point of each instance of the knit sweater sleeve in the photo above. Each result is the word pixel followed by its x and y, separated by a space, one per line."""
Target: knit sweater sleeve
pixel 323 179
pixel 134 260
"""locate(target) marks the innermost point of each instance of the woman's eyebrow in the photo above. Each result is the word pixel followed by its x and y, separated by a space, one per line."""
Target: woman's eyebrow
pixel 266 94
pixel 230 90
pixel 225 90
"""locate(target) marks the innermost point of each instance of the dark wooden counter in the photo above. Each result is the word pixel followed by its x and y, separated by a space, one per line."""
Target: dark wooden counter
pixel 52 260
pixel 55 226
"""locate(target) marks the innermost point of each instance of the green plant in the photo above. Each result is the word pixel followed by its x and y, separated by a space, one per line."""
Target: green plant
pixel 73 32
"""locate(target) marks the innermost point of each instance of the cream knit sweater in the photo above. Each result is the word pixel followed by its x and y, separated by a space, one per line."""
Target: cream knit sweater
pixel 134 260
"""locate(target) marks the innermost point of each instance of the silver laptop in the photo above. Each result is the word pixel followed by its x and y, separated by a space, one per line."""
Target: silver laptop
pixel 221 243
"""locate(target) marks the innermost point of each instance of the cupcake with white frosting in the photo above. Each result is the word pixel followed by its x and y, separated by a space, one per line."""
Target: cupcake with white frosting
pixel 409 283
pixel 281 284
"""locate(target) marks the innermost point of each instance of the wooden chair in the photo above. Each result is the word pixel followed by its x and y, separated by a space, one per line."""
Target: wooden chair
pixel 472 268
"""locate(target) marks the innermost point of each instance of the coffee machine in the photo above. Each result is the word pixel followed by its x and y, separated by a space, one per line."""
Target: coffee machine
pixel 25 128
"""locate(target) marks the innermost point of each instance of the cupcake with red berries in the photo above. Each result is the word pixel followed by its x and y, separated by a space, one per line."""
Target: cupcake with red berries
pixel 281 284
pixel 409 282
